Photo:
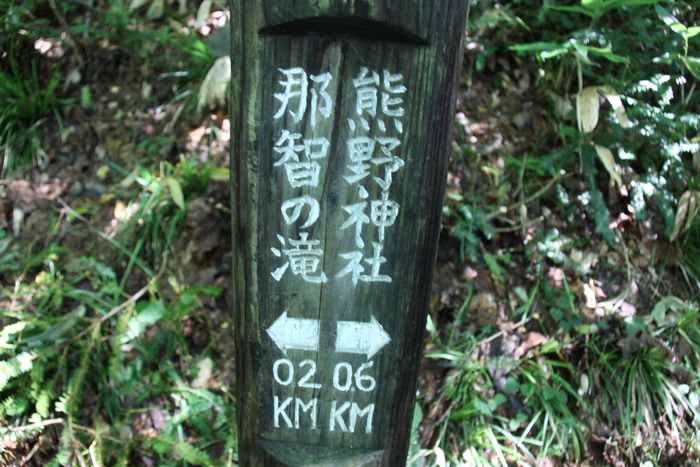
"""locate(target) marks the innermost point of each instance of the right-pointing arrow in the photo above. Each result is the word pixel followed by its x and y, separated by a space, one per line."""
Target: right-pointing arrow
pixel 294 333
pixel 356 337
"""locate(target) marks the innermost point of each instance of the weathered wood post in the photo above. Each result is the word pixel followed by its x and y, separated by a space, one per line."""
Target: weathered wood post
pixel 342 113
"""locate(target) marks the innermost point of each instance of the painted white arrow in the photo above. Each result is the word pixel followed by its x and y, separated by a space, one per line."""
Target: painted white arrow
pixel 294 333
pixel 356 337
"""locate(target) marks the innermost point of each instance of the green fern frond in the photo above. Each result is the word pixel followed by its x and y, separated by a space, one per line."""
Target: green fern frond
pixel 15 366
pixel 193 455
pixel 43 403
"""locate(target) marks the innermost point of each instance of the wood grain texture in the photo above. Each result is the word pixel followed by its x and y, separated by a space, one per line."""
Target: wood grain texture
pixel 416 45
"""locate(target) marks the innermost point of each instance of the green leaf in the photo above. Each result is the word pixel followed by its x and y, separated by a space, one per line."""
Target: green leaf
pixel 512 385
pixel 537 47
pixel 58 330
pixel 146 317
pixel 622 3
pixel 85 96
pixel 556 314
pixel 671 21
pixel 576 9
pixel 607 54
pixel 192 455
pixel 561 396
pixel 548 393
pixel 596 206
pixel 417 417
pixel 693 65
pixel 513 424
pixel 492 261
pixel 176 192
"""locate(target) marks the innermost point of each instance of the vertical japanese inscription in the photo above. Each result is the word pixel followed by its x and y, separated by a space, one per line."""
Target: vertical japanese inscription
pixel 371 152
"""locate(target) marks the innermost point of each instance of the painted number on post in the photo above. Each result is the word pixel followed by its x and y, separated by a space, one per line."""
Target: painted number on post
pixel 285 377
pixel 343 372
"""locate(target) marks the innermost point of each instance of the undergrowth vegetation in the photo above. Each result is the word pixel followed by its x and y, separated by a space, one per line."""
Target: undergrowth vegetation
pixel 99 364
pixel 605 382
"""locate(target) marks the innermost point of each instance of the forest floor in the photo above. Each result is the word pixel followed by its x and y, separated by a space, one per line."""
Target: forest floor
pixel 501 114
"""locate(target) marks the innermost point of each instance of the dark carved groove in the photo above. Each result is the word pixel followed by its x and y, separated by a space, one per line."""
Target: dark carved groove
pixel 344 28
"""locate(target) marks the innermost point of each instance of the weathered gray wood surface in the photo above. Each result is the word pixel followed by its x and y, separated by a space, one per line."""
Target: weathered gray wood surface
pixel 334 247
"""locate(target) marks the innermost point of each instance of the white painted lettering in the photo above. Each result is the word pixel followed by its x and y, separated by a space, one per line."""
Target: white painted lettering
pixel 316 148
pixel 376 261
pixel 286 145
pixel 276 371
pixel 355 412
pixel 337 415
pixel 280 410
pixel 304 260
pixel 383 215
pixel 360 151
pixel 313 403
pixel 295 87
pixel 353 267
pixel 358 218
pixel 337 376
pixel 296 204
pixel 366 92
pixel 304 381
pixel 361 379
pixel 325 108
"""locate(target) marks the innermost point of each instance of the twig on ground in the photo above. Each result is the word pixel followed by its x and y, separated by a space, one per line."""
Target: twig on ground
pixel 41 424
pixel 530 199
pixel 503 331
pixel 520 226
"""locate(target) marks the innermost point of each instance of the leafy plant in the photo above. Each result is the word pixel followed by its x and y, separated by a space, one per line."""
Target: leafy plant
pixel 25 106
pixel 63 343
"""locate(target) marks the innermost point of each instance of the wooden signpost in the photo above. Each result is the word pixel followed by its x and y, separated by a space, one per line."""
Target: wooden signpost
pixel 341 114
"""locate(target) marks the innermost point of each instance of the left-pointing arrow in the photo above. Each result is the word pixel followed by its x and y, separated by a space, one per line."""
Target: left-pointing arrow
pixel 294 333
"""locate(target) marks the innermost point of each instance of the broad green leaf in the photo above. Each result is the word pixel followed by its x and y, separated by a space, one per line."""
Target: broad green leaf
pixel 221 174
pixel 552 54
pixel 607 54
pixel 512 385
pixel 620 3
pixel 576 9
pixel 55 332
pixel 176 192
pixel 587 107
pixel 556 314
pixel 606 156
pixel 693 65
pixel 137 324
pixel 593 4
pixel 614 98
pixel 671 20
pixel 203 12
pixel 685 213
pixel 537 47
pixel 85 97
pixel 156 10
pixel 548 393
pixel 694 31
pixel 215 86
pixel 596 208
pixel 581 49
pixel 597 8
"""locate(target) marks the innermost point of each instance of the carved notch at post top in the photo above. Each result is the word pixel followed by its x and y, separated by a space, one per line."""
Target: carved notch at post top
pixel 344 28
